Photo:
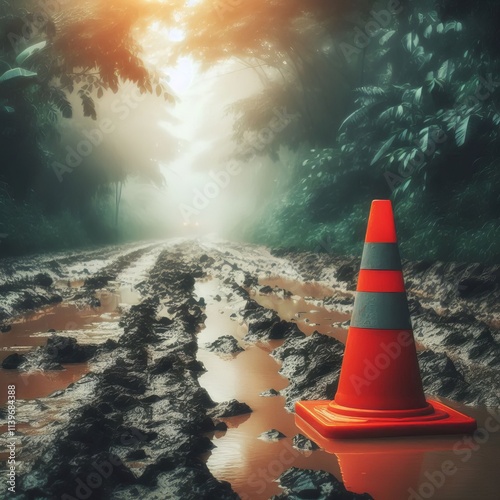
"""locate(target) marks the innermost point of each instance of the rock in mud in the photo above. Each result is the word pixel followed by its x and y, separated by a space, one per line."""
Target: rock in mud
pixel 123 377
pixel 67 350
pixel 265 324
pixel 303 443
pixel 5 328
pixel 347 273
pixel 191 481
pixel 475 286
pixel 13 361
pixel 34 299
pixel 441 377
pixel 306 483
pixel 272 435
pixel 230 408
pixel 226 344
pixel 312 365
pixel 269 393
pixel 220 426
pixel 43 279
pixel 164 364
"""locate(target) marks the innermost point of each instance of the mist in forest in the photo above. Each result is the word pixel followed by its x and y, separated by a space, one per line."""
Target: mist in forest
pixel 274 123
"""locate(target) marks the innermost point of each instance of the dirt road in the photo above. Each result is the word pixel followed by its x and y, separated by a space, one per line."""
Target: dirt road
pixel 131 363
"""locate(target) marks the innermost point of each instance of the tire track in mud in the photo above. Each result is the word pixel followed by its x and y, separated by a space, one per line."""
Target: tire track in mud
pixel 36 287
pixel 138 425
pixel 140 428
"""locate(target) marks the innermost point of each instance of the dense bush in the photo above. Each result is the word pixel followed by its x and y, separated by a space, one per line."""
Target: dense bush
pixel 423 130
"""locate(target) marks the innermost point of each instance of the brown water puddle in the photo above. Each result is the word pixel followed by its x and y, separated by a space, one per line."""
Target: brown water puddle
pixel 311 289
pixel 309 317
pixel 40 384
pixel 69 283
pixel 31 330
pixel 385 468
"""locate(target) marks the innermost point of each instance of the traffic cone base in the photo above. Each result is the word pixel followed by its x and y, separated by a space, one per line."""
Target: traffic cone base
pixel 369 413
pixel 370 446
pixel 443 420
pixel 380 390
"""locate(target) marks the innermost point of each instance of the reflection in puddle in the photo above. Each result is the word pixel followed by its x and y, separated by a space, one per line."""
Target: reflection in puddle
pixel 69 283
pixel 40 384
pixel 394 468
pixel 87 325
pixel 309 317
pixel 311 289
pixel 386 468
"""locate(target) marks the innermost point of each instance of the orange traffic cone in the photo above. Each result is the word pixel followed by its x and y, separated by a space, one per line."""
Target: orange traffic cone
pixel 380 390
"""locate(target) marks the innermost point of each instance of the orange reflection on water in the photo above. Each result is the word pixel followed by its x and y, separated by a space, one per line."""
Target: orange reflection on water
pixel 386 468
pixel 445 467
pixel 309 317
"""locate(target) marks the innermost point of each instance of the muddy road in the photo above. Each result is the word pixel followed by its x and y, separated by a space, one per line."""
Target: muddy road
pixel 169 370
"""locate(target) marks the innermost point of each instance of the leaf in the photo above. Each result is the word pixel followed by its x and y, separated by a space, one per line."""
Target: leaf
pixel 394 112
pixel 424 137
pixel 355 118
pixel 440 28
pixel 371 91
pixel 410 41
pixel 383 149
pixel 428 31
pixel 60 100
pixel 446 70
pixel 461 132
pixel 100 93
pixel 88 105
pixel 453 25
pixel 17 73
pixel 27 53
pixel 417 98
pixel 159 90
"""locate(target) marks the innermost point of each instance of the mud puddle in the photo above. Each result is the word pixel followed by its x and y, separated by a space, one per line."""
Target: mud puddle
pixel 308 315
pixel 311 289
pixel 388 469
pixel 87 325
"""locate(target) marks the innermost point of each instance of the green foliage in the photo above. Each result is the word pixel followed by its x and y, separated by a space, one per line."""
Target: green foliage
pixel 423 130
pixel 78 50
pixel 26 229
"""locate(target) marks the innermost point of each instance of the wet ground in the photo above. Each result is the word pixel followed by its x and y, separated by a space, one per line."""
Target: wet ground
pixel 234 276
pixel 251 465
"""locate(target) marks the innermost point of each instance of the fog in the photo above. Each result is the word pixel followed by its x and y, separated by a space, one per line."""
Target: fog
pixel 184 179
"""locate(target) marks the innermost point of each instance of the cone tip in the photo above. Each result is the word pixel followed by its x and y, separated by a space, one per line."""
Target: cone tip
pixel 381 227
